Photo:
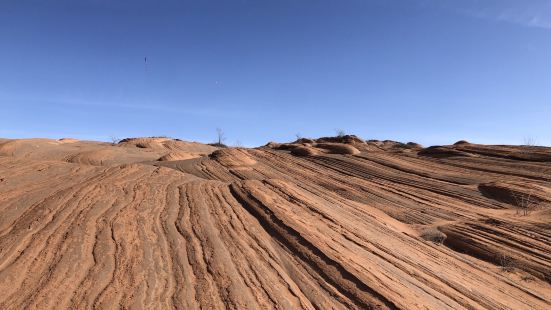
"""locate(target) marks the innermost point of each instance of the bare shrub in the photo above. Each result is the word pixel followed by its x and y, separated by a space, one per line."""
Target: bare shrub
pixel 528 278
pixel 340 132
pixel 525 202
pixel 115 140
pixel 433 235
pixel 506 262
pixel 529 141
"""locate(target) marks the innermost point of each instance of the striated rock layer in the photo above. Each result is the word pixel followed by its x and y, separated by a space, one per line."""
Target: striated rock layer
pixel 317 224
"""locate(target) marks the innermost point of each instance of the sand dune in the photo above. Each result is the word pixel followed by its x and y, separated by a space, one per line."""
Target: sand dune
pixel 335 222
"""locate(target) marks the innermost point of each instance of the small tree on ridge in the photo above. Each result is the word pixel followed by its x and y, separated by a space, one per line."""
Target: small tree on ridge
pixel 221 136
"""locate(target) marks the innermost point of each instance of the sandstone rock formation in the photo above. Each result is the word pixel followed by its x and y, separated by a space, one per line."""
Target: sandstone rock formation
pixel 310 225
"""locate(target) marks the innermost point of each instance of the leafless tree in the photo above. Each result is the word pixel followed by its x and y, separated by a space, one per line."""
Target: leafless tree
pixel 298 135
pixel 221 136
pixel 238 143
pixel 525 202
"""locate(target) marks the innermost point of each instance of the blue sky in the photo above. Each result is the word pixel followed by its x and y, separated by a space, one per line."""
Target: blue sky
pixel 430 71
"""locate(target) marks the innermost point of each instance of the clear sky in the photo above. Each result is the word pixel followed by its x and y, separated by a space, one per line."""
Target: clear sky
pixel 430 71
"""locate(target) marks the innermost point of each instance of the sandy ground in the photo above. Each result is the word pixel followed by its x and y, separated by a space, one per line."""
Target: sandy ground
pixel 332 223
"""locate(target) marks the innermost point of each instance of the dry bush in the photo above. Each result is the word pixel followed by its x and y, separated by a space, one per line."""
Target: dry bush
pixel 115 140
pixel 346 139
pixel 238 144
pixel 529 141
pixel 525 202
pixel 434 235
pixel 506 262
pixel 528 278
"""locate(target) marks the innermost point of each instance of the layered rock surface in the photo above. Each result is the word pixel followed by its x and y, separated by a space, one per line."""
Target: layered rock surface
pixel 328 223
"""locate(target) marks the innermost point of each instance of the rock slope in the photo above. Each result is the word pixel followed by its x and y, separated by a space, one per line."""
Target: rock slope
pixel 332 223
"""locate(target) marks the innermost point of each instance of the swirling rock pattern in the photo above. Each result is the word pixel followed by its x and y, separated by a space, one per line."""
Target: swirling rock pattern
pixel 93 225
